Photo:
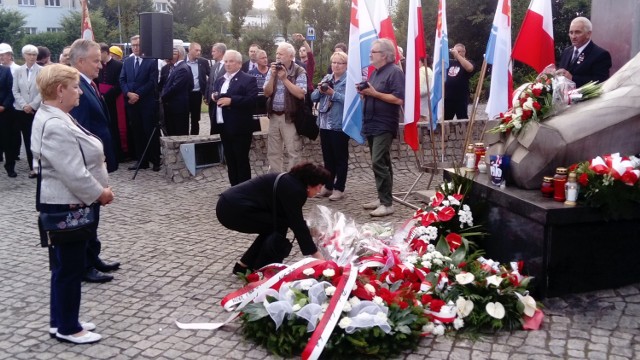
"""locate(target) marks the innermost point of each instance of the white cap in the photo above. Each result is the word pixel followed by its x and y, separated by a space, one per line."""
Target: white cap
pixel 5 48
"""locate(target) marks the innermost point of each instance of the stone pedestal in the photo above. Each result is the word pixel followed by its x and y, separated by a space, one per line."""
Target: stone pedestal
pixel 566 249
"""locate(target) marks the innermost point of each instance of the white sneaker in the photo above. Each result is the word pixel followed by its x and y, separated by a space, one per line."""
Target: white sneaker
pixel 324 192
pixel 85 326
pixel 337 195
pixel 382 211
pixel 371 205
pixel 88 338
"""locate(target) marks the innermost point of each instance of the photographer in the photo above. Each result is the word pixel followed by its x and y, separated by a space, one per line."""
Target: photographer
pixel 285 88
pixel 456 87
pixel 334 142
pixel 383 95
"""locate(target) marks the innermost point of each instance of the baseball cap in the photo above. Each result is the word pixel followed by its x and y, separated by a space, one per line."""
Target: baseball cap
pixel 5 48
pixel 115 50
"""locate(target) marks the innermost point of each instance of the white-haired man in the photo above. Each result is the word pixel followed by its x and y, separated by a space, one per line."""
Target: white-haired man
pixel 285 88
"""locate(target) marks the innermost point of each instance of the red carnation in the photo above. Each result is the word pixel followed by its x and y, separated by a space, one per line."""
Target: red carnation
pixel 536 105
pixel 536 92
pixel 436 305
pixel 583 179
pixel 253 277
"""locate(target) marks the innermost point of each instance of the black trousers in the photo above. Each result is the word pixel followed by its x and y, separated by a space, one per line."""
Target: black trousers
pixel 8 135
pixel 335 154
pixel 456 107
pixel 249 220
pixel 23 124
pixel 176 122
pixel 236 155
pixel 195 104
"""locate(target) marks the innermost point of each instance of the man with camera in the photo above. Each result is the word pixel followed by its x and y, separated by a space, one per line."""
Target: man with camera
pixel 382 95
pixel 285 88
pixel 456 87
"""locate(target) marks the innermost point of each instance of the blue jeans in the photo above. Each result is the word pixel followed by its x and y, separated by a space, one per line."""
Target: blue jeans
pixel 380 148
pixel 335 154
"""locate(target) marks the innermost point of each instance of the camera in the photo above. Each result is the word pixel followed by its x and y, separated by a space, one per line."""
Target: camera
pixel 363 85
pixel 325 86
pixel 279 66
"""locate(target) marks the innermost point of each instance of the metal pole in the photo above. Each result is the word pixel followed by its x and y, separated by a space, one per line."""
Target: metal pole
pixel 483 71
pixel 120 25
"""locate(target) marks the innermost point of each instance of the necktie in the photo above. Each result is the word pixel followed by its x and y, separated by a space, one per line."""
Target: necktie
pixel 95 89
pixel 575 56
pixel 136 66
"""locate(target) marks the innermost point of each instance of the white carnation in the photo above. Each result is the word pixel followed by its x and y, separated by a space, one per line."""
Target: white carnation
pixel 378 300
pixel 346 307
pixel 328 272
pixel 428 328
pixel 438 330
pixel 330 290
pixel 370 288
pixel 309 271
pixel 458 323
pixel 344 322
pixel 354 301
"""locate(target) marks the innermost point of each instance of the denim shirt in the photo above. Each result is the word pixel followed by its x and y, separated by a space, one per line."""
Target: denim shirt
pixel 330 108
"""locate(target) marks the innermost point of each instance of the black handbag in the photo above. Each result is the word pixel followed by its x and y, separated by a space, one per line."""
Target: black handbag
pixel 275 246
pixel 306 122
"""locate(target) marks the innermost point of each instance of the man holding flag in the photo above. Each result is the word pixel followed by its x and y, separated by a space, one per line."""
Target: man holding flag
pixel 383 95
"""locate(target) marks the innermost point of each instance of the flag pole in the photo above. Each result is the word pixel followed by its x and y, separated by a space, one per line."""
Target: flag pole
pixel 434 152
pixel 476 98
pixel 442 104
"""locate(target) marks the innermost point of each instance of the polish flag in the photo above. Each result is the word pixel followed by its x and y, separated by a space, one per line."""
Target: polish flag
pixel 440 63
pixel 382 23
pixel 415 52
pixel 534 45
pixel 498 55
pixel 361 36
pixel 87 30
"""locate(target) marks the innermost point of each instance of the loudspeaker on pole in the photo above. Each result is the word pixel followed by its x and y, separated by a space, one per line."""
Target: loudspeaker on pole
pixel 156 35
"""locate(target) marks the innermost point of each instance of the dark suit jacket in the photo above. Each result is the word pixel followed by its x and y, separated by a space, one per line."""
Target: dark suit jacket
pixel 213 76
pixel 593 64
pixel 93 115
pixel 245 66
pixel 238 117
pixel 6 86
pixel 203 74
pixel 143 83
pixel 175 92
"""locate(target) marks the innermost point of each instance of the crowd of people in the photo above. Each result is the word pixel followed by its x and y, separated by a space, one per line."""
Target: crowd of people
pixel 98 107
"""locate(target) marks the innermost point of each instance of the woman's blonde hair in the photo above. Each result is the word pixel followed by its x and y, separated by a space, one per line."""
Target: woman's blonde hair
pixel 340 55
pixel 51 76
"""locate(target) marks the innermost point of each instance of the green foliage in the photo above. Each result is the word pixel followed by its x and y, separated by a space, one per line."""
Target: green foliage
pixel 261 36
pixel 320 14
pixel 187 14
pixel 11 22
pixel 283 13
pixel 238 11
pixel 125 13
pixel 71 25
pixel 209 32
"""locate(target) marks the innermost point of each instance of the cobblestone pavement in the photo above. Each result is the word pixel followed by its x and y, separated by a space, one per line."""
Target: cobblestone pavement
pixel 176 265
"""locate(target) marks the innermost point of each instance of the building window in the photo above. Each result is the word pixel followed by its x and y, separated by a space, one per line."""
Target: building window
pixel 27 2
pixel 160 7
pixel 29 30
pixel 54 29
pixel 50 3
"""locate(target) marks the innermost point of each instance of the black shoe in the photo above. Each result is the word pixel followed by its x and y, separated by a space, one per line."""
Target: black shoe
pixel 240 270
pixel 95 276
pixel 32 175
pixel 156 167
pixel 107 267
pixel 11 174
pixel 135 166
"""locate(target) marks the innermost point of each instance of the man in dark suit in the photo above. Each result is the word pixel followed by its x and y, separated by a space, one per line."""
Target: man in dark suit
pixel 175 95
pixel 237 93
pixel 7 127
pixel 138 80
pixel 200 69
pixel 93 115
pixel 109 86
pixel 584 61
pixel 252 63
pixel 217 53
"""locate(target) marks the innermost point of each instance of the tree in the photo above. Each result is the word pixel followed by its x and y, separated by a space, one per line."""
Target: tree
pixel 343 21
pixel 71 25
pixel 187 14
pixel 321 15
pixel 283 13
pixel 128 11
pixel 239 10
pixel 54 41
pixel 11 23
pixel 210 31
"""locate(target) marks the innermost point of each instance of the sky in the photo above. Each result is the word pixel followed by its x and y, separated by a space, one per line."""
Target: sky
pixel 262 4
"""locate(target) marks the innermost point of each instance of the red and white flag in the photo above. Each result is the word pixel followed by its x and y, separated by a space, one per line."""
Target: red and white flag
pixel 382 23
pixel 534 45
pixel 498 54
pixel 87 30
pixel 416 50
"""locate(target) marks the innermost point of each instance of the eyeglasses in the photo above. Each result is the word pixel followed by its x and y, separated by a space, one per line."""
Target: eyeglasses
pixel 376 52
pixel 338 63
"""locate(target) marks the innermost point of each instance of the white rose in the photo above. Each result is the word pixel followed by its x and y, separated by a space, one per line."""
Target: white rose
pixel 458 323
pixel 528 105
pixel 346 307
pixel 328 272
pixel 428 328
pixel 438 330
pixel 306 284
pixel 378 300
pixel 370 288
pixel 330 290
pixel 309 271
pixel 354 301
pixel 517 124
pixel 344 322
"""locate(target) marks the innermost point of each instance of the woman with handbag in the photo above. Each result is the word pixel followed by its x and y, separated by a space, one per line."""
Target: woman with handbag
pixel 334 142
pixel 268 205
pixel 72 183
